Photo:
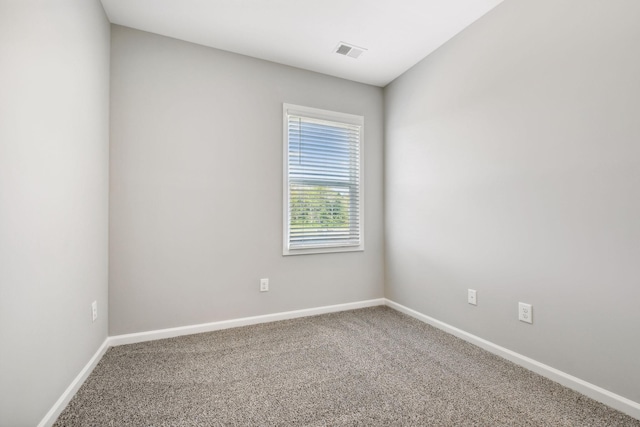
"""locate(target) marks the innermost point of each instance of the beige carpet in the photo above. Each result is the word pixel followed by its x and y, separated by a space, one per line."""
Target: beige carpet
pixel 369 367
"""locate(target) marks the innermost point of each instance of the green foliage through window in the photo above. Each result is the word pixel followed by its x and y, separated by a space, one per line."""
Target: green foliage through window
pixel 329 209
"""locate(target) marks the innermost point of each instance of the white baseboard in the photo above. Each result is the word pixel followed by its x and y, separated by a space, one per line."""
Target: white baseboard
pixel 68 394
pixel 234 323
pixel 616 401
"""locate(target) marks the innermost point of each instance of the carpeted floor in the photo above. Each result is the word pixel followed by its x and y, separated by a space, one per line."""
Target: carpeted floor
pixel 369 367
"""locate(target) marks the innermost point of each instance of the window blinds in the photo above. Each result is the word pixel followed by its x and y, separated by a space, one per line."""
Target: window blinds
pixel 323 183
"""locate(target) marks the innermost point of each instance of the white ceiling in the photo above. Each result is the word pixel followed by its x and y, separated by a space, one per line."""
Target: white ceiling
pixel 305 33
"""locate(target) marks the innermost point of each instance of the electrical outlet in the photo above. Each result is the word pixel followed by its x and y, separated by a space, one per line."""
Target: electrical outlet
pixel 472 297
pixel 94 310
pixel 264 285
pixel 525 312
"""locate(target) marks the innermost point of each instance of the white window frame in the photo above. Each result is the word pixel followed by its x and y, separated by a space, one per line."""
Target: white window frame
pixel 315 113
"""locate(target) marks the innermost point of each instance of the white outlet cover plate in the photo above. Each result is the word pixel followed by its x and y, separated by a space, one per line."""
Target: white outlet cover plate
pixel 472 297
pixel 525 312
pixel 264 285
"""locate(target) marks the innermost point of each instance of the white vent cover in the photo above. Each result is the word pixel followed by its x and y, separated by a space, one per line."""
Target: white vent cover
pixel 349 50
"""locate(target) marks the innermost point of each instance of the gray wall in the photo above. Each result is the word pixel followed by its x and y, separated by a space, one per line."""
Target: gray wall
pixel 512 167
pixel 54 124
pixel 196 187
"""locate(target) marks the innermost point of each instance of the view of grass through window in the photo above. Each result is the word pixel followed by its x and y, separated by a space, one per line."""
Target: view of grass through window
pixel 328 210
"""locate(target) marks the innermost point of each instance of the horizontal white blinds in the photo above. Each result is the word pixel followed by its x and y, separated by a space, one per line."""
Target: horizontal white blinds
pixel 323 182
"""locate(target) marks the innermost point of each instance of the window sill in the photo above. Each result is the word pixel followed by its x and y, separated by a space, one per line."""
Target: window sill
pixel 329 250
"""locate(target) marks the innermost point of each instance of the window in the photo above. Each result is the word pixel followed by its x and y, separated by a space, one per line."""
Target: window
pixel 323 195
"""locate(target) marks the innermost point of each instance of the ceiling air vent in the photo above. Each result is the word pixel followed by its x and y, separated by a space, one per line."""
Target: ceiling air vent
pixel 349 50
